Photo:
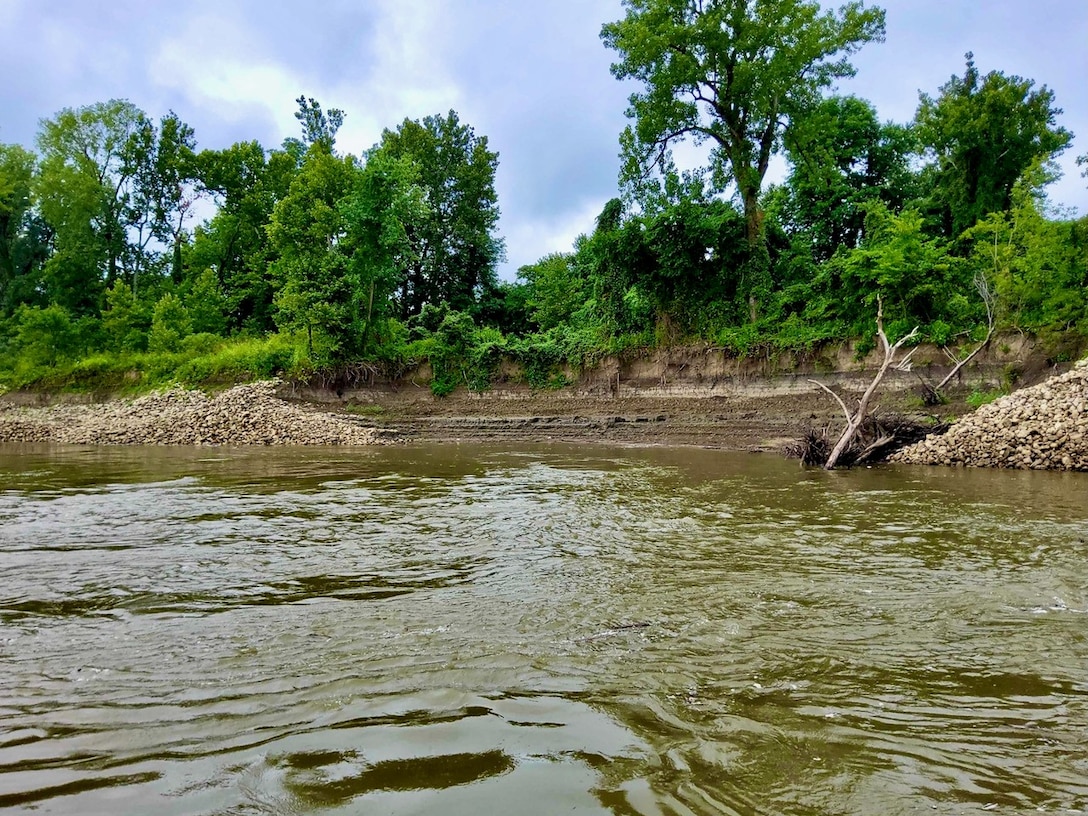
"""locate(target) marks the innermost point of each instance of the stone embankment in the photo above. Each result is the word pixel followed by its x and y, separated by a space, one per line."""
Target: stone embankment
pixel 244 415
pixel 1044 427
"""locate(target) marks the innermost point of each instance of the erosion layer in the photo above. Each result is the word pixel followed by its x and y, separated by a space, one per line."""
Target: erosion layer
pixel 244 415
pixel 1044 427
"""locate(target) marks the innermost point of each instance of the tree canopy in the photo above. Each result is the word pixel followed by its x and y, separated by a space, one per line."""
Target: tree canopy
pixel 734 73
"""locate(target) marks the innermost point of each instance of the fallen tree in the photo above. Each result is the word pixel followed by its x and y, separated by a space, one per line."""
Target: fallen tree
pixel 856 419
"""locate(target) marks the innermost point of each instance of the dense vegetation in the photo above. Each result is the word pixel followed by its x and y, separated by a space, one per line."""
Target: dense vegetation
pixel 129 257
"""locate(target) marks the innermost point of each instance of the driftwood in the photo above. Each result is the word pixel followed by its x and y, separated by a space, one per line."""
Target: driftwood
pixel 877 439
pixel 855 419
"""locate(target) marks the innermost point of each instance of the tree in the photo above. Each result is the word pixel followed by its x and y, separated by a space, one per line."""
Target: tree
pixel 245 183
pixel 555 289
pixel 167 190
pixel 170 324
pixel 125 321
pixel 307 232
pixel 982 134
pixel 16 174
pixel 842 157
pixel 1037 265
pixel 90 158
pixel 736 74
pixel 318 127
pixel 455 246
pixel 382 211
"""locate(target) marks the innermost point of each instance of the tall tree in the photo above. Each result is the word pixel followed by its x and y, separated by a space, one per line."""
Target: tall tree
pixel 16 174
pixel 318 127
pixel 734 73
pixel 307 231
pixel 245 183
pixel 842 157
pixel 982 134
pixel 90 159
pixel 385 206
pixel 455 246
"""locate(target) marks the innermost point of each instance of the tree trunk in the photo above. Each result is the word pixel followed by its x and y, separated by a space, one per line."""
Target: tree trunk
pixel 854 421
pixel 756 266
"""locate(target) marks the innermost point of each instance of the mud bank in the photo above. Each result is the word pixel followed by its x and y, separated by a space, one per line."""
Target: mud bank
pixel 244 415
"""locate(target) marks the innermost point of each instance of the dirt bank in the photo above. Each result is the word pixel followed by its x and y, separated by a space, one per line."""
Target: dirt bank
pixel 692 396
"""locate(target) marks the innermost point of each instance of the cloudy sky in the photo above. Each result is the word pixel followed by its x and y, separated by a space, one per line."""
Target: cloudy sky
pixel 531 76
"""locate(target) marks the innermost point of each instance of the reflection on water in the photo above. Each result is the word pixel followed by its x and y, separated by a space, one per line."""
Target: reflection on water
pixel 462 630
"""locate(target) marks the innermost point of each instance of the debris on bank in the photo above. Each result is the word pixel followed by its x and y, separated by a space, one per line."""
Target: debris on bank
pixel 877 439
pixel 249 414
pixel 1044 427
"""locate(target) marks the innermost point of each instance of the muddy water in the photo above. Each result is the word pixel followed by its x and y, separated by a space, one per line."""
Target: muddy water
pixel 462 630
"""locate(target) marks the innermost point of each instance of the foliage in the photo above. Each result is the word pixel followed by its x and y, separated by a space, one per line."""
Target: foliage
pixel 170 324
pixel 311 270
pixel 312 260
pixel 730 73
pixel 454 248
pixel 983 134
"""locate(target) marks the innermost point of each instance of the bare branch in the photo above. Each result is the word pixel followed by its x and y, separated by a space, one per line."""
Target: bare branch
pixel 838 399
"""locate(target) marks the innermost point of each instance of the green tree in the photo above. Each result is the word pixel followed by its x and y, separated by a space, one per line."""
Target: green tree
pixel 91 157
pixel 842 157
pixel 1037 265
pixel 384 209
pixel 125 321
pixel 556 289
pixel 318 127
pixel 734 74
pixel 170 324
pixel 45 336
pixel 307 232
pixel 165 191
pixel 205 303
pixel 16 176
pixel 983 134
pixel 245 183
pixel 912 272
pixel 455 248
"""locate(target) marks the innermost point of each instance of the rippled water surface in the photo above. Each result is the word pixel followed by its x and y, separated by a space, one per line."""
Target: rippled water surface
pixel 465 630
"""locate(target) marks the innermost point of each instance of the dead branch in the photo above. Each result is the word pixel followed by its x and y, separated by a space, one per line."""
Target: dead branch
pixel 854 422
pixel 838 399
pixel 989 299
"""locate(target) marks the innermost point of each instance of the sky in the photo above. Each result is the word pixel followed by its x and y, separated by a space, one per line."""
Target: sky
pixel 533 77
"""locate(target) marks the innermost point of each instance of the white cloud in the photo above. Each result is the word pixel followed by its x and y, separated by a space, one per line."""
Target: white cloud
pixel 408 77
pixel 220 71
pixel 215 65
pixel 529 241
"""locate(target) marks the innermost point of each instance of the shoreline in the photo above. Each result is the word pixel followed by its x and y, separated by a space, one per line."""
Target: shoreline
pixel 1041 427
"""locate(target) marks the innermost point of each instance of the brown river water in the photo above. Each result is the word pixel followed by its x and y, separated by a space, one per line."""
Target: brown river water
pixel 448 629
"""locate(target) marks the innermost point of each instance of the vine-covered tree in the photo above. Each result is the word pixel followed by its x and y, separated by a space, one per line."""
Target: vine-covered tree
pixel 983 133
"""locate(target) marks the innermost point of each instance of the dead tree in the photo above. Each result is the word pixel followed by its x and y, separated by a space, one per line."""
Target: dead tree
pixel 989 299
pixel 854 420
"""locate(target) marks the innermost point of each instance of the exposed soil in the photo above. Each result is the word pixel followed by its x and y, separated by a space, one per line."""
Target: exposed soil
pixel 515 415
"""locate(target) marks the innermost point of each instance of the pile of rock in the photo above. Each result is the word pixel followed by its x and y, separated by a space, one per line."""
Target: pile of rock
pixel 244 415
pixel 1044 427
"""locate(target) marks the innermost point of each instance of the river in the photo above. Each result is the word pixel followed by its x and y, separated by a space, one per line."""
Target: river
pixel 555 629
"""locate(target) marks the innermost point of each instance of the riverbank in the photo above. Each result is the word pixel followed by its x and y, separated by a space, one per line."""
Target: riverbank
pixel 689 398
